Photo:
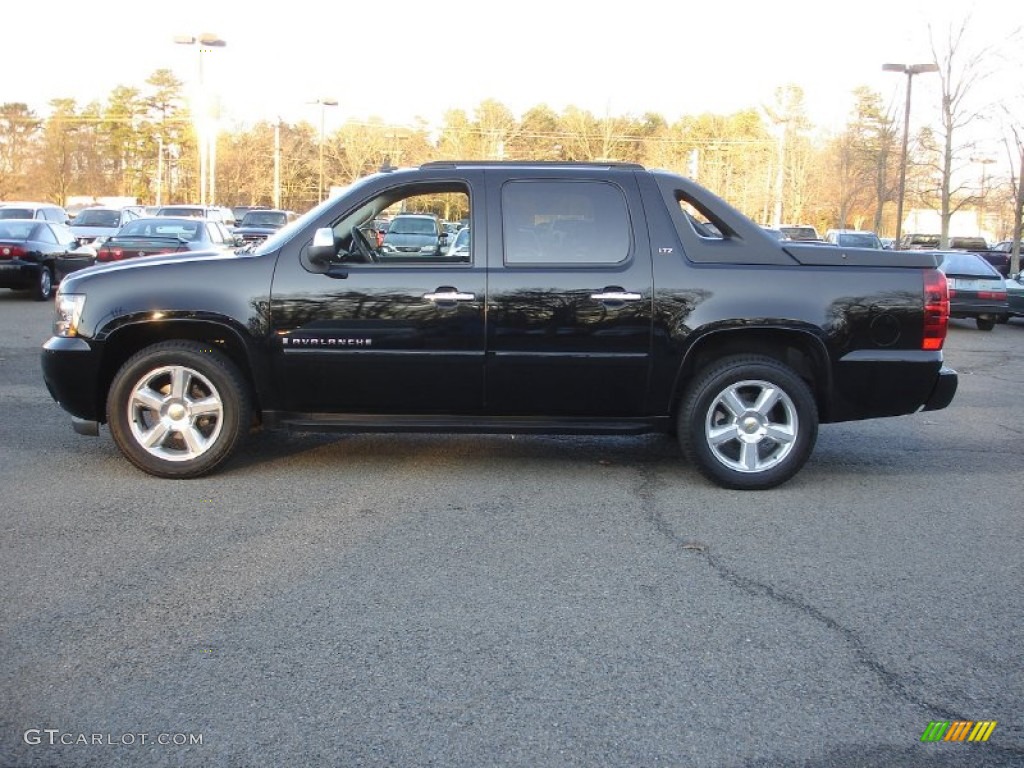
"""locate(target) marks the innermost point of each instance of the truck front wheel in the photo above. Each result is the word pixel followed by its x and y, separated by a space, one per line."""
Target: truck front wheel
pixel 748 422
pixel 178 409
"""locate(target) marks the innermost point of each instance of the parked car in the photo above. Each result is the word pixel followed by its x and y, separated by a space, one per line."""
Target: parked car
pixel 211 212
pixel 853 238
pixel 968 244
pixel 36 255
pixel 166 234
pixel 800 232
pixel 1015 296
pixel 414 234
pixel 95 224
pixel 976 289
pixel 997 257
pixel 259 224
pixel 374 231
pixel 239 211
pixel 1004 249
pixel 459 248
pixel 45 211
pixel 920 242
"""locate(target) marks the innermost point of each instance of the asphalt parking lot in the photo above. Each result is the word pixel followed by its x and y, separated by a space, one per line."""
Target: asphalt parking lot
pixel 495 601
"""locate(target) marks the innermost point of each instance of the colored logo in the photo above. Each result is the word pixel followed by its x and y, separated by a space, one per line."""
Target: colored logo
pixel 958 730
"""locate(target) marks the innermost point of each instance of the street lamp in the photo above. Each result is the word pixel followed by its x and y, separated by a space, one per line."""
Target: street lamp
pixel 207 41
pixel 323 103
pixel 909 70
pixel 982 201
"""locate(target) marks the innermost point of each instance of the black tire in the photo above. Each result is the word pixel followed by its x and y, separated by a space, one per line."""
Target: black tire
pixel 192 430
pixel 43 288
pixel 763 445
pixel 985 323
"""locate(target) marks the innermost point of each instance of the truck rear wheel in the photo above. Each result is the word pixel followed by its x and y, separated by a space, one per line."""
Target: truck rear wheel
pixel 748 422
pixel 178 409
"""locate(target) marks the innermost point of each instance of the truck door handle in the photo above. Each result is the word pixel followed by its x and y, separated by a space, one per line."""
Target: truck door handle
pixel 614 293
pixel 447 294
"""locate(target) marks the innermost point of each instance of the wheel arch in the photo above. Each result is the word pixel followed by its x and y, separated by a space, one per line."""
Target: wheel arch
pixel 798 349
pixel 128 338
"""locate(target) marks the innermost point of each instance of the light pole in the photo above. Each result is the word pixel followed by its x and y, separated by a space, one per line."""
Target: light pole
pixel 323 103
pixel 909 70
pixel 277 163
pixel 984 162
pixel 207 41
pixel 159 170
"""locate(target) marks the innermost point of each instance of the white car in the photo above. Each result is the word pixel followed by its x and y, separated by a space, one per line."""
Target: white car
pixel 95 225
pixel 459 248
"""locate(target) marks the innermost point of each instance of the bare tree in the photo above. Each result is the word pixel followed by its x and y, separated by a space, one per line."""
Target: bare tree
pixel 960 71
pixel 1016 155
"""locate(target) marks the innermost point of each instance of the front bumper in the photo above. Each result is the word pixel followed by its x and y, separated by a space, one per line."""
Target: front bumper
pixel 71 373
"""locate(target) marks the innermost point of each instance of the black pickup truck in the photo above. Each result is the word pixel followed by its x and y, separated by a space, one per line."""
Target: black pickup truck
pixel 586 299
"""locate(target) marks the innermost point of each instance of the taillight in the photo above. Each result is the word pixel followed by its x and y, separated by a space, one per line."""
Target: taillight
pixel 11 251
pixel 936 309
pixel 113 254
pixel 992 295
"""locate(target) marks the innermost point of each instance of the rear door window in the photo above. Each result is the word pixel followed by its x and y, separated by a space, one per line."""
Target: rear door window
pixel 564 222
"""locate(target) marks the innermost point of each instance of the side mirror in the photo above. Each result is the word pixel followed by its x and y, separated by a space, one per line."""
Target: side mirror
pixel 322 250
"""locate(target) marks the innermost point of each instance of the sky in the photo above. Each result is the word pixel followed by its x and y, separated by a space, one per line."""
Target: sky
pixel 402 61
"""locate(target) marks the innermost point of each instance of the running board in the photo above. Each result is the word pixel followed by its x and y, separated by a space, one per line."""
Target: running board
pixel 357 422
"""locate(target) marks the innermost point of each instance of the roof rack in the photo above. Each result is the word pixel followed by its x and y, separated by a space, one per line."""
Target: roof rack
pixel 533 163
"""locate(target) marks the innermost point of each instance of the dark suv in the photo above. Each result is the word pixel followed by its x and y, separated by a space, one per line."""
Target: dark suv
pixel 586 301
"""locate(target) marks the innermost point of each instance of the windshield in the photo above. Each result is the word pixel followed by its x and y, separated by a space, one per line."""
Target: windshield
pixel 16 230
pixel 263 219
pixel 799 233
pixel 97 218
pixel 967 264
pixel 411 226
pixel 968 243
pixel 16 213
pixel 182 229
pixel 282 235
pixel 859 240
pixel 181 211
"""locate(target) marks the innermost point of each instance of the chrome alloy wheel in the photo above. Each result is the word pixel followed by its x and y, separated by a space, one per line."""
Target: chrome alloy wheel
pixel 751 426
pixel 175 413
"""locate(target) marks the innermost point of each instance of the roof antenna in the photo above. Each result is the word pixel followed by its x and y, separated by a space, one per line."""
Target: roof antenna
pixel 386 166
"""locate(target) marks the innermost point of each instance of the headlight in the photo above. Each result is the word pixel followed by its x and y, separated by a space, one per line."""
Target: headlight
pixel 67 312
